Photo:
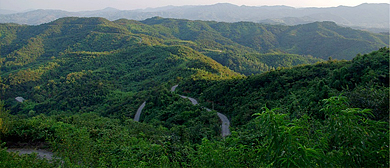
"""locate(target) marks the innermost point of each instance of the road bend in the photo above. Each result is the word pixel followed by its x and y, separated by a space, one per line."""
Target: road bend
pixel 139 111
pixel 225 121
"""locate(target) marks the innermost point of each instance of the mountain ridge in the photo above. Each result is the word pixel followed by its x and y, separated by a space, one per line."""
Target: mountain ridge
pixel 370 16
pixel 243 46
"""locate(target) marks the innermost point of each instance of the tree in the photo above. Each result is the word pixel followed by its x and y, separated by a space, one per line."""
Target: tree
pixel 4 120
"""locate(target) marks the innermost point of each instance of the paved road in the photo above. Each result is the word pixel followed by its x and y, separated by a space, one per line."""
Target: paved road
pixel 225 124
pixel 224 119
pixel 174 88
pixel 139 111
pixel 40 152
pixel 193 101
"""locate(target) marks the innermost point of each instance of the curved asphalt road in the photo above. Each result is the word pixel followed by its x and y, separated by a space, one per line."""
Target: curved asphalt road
pixel 225 124
pixel 224 119
pixel 193 101
pixel 139 111
pixel 174 88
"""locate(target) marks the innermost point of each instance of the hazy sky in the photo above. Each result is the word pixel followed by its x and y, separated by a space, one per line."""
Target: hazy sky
pixel 79 5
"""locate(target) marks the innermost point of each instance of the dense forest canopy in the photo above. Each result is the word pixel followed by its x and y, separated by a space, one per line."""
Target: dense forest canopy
pixel 83 80
pixel 367 16
pixel 243 47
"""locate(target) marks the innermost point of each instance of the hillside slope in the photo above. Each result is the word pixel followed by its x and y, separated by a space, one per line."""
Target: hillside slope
pixel 244 47
pixel 299 90
pixel 307 39
pixel 58 83
pixel 84 78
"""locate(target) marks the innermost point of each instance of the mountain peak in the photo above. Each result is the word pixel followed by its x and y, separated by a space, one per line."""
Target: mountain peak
pixel 110 9
pixel 224 5
pixel 78 20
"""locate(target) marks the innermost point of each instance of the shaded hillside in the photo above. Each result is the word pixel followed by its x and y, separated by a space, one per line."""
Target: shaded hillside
pixel 57 85
pixel 52 64
pixel 299 90
pixel 308 39
pixel 328 39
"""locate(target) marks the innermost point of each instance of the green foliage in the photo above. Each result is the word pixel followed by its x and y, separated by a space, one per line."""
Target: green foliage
pixel 89 140
pixel 244 47
pixel 84 79
pixel 372 97
pixel 15 160
pixel 300 90
pixel 353 138
pixel 284 143
pixel 33 130
pixel 4 120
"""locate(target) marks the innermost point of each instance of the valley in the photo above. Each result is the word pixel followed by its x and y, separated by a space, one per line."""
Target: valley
pixel 101 93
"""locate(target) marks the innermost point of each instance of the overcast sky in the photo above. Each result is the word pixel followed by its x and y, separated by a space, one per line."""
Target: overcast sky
pixel 80 5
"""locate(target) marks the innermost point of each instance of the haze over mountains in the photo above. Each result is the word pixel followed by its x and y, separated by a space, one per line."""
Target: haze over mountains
pixel 306 95
pixel 372 17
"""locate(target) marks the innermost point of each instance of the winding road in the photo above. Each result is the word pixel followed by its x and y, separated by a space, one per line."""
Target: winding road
pixel 41 153
pixel 225 124
pixel 193 101
pixel 224 119
pixel 139 111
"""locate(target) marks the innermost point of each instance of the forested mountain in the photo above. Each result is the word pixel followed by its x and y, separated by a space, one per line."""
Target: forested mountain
pixel 321 121
pixel 299 90
pixel 83 79
pixel 320 39
pixel 365 16
pixel 243 47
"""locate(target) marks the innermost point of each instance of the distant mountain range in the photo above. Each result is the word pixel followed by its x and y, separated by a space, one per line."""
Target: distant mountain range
pixel 372 17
